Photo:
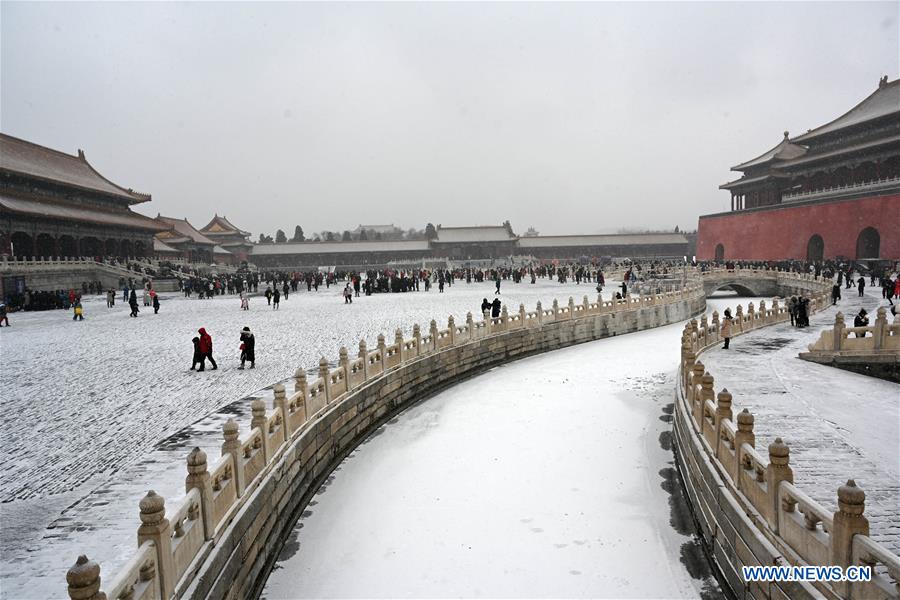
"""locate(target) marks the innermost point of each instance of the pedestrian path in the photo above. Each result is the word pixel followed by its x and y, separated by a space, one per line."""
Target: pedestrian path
pixel 838 425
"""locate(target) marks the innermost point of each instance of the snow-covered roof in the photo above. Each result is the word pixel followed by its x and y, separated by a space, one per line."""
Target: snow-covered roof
pixel 882 102
pixel 451 235
pixel 119 217
pixel 183 227
pixel 40 162
pixel 784 150
pixel 220 250
pixel 338 247
pixel 627 239
pixel 160 246
pixel 222 226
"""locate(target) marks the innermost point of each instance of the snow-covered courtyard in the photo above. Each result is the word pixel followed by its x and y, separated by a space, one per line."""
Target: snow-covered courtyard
pixel 98 412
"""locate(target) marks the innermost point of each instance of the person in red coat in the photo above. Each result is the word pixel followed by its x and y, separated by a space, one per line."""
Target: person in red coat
pixel 206 350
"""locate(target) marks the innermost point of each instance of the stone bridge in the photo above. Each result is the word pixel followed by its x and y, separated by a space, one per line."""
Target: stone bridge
pixel 749 282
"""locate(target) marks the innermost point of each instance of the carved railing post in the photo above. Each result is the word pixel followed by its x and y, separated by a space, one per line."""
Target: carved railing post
pixel 540 313
pixel 398 341
pixel 762 312
pixel 693 394
pixel 739 318
pixel 571 307
pixel 344 364
pixel 488 324
pixel 300 384
pixel 198 478
pixel 232 447
pixel 417 335
pixel 364 355
pixel 751 315
pixel 326 377
pixel 723 409
pixel 744 434
pixel 522 315
pixel 585 303
pixel 470 325
pixel 280 401
pixel 848 521
pixel 555 309
pixel 434 335
pixel 156 528
pixel 838 331
pixel 258 420
pixel 880 328
pixel 706 393
pixel 704 328
pixel 451 327
pixel 777 471
pixel 504 319
pixel 84 580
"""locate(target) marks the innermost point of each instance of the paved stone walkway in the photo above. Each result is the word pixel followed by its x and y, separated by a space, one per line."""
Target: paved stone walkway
pixel 838 424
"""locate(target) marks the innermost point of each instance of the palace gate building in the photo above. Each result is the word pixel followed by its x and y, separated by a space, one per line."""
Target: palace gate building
pixel 832 192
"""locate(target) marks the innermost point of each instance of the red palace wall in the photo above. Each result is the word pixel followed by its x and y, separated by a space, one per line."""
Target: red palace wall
pixel 784 232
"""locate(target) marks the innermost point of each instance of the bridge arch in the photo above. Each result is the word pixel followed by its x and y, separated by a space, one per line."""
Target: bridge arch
pixel 815 248
pixel 868 244
pixel 742 290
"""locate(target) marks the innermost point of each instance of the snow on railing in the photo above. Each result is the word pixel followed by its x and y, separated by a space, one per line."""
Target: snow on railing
pixel 171 541
pixel 765 486
pixel 880 338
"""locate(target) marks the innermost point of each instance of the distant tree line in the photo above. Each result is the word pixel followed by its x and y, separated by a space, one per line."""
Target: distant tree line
pixel 360 234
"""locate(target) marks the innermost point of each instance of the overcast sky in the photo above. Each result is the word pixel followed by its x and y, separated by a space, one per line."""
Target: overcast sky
pixel 573 118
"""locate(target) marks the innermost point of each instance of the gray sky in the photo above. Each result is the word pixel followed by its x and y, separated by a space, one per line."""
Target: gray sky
pixel 573 118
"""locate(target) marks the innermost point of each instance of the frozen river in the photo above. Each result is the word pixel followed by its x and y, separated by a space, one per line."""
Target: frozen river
pixel 551 476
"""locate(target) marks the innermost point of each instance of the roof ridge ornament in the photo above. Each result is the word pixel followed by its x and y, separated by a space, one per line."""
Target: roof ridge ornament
pixel 883 81
pixel 787 134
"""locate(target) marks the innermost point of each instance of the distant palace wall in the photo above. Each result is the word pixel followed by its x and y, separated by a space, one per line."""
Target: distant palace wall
pixel 784 231
pixel 748 509
pixel 222 539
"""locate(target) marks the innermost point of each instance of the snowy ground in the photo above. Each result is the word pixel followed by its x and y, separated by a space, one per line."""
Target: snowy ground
pixel 97 412
pixel 838 425
pixel 552 476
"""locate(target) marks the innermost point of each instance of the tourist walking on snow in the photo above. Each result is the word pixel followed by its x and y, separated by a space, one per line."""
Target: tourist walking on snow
pixel 78 311
pixel 485 306
pixel 348 294
pixel 132 302
pixel 276 298
pixel 245 302
pixel 248 348
pixel 725 328
pixel 198 356
pixel 268 295
pixel 835 294
pixel 861 285
pixel 206 349
pixel 497 283
pixel 110 298
pixel 155 297
pixel 495 307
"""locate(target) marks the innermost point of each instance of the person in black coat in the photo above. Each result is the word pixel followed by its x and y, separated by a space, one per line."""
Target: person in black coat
pixel 155 304
pixel 495 307
pixel 198 356
pixel 248 348
pixel 485 305
pixel 861 320
pixel 133 303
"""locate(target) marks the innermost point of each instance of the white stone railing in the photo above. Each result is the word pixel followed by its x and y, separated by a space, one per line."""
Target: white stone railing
pixel 867 186
pixel 763 486
pixel 880 338
pixel 173 541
